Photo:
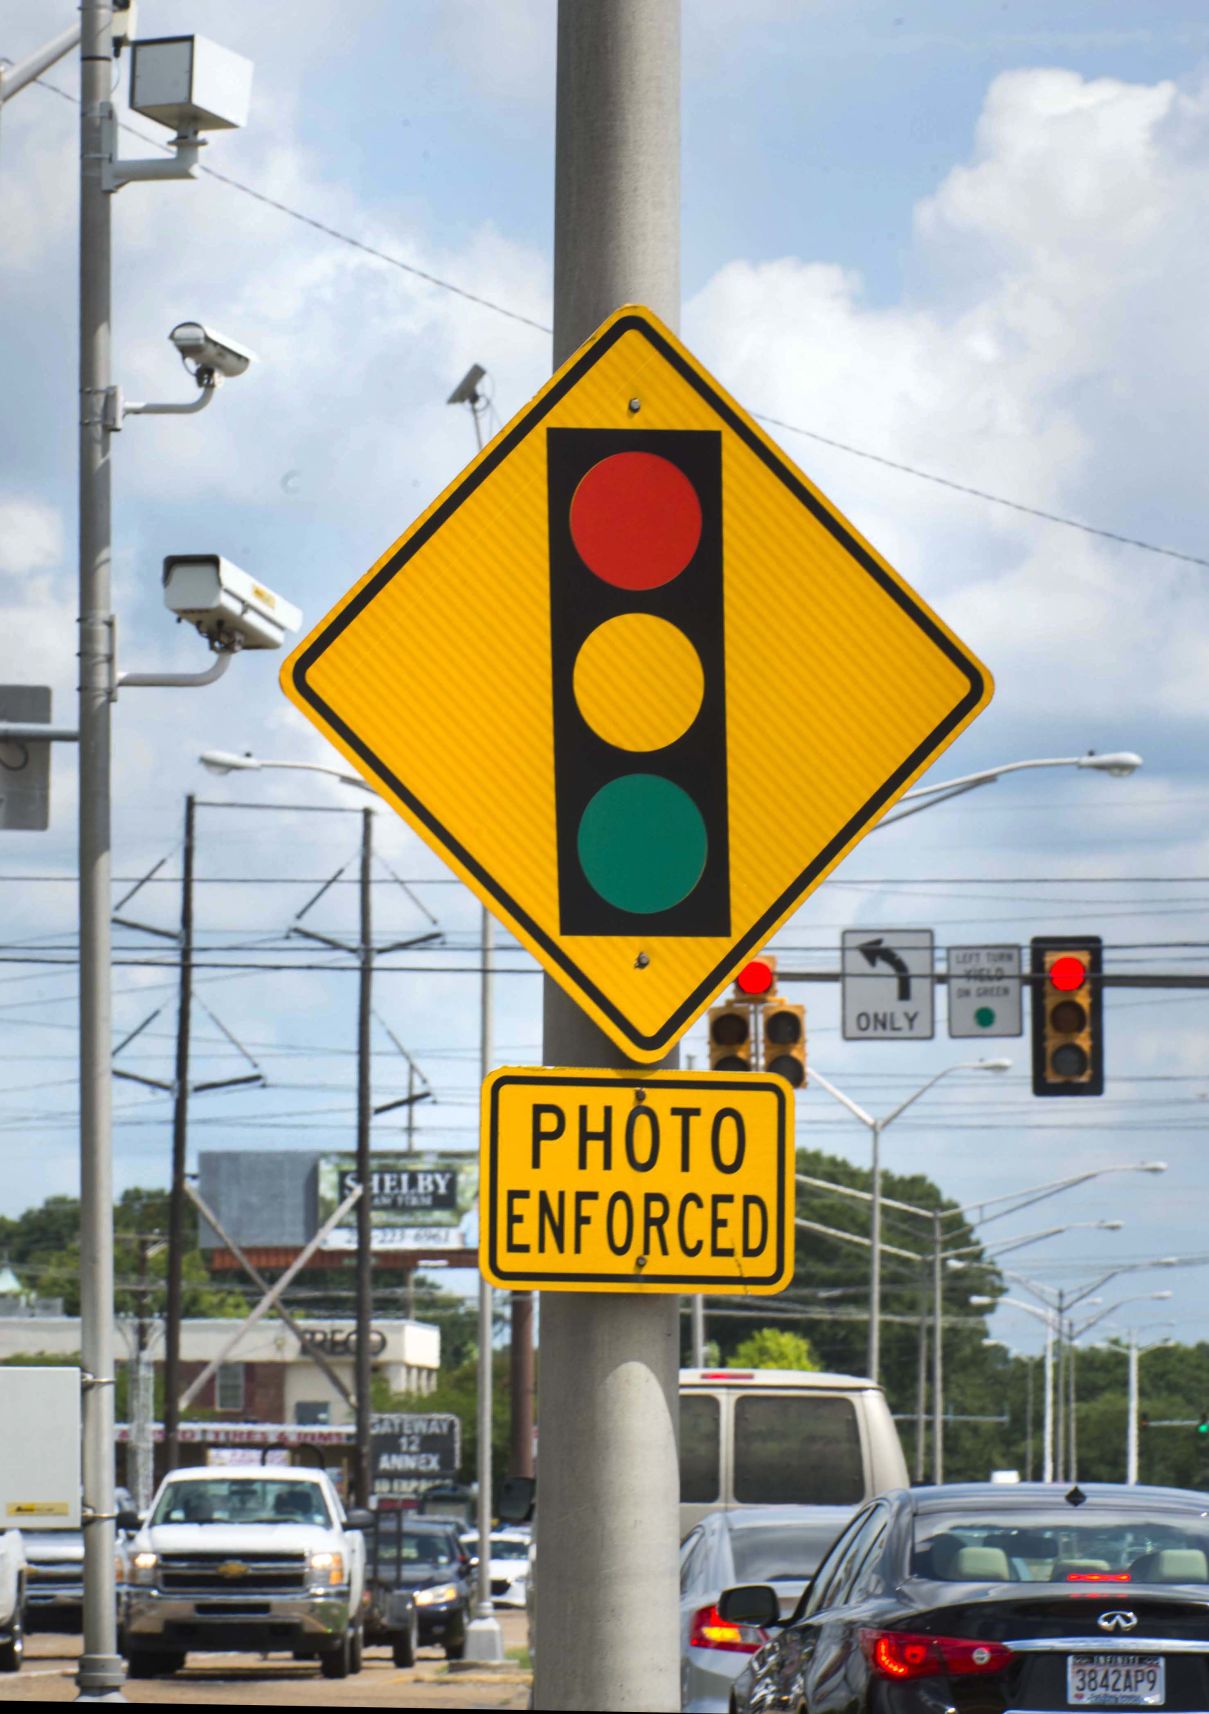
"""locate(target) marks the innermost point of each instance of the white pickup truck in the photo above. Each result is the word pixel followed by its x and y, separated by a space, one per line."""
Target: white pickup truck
pixel 12 1600
pixel 258 1559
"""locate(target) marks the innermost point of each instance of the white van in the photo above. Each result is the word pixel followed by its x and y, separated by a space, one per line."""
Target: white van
pixel 774 1437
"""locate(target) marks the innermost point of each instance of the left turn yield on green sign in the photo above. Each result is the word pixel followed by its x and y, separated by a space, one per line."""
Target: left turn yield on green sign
pixel 598 1180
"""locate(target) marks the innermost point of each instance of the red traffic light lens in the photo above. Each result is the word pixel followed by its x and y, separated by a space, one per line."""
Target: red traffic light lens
pixel 1068 973
pixel 754 978
pixel 636 520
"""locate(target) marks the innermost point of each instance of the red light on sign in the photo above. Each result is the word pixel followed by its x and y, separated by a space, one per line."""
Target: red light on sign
pixel 1068 973
pixel 755 978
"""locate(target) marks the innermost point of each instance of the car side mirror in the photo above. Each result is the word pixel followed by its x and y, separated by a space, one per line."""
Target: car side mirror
pixel 361 1520
pixel 129 1521
pixel 516 1499
pixel 750 1604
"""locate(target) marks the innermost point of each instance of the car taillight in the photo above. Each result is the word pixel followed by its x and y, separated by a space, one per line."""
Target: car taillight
pixel 711 1631
pixel 1098 1577
pixel 909 1654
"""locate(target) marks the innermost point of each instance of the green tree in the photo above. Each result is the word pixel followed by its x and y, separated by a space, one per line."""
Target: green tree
pixel 774 1348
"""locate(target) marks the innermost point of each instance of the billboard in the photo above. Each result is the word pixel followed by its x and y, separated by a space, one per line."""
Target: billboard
pixel 416 1201
pixel 408 1453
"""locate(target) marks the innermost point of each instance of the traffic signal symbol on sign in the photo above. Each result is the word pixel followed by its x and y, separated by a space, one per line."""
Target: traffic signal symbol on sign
pixel 638 681
pixel 558 675
pixel 784 1029
pixel 1067 1016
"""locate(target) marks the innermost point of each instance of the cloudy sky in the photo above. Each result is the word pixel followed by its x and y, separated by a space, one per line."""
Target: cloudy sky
pixel 968 238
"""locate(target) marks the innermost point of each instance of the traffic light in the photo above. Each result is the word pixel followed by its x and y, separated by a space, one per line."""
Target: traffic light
pixel 1202 1427
pixel 758 977
pixel 784 1028
pixel 1067 1015
pixel 635 522
pixel 730 1037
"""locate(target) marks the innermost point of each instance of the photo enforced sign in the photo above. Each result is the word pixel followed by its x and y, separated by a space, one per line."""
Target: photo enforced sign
pixel 611 1181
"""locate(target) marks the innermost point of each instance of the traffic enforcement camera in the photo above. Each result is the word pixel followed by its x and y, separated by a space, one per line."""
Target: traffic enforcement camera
pixel 1067 1015
pixel 785 1041
pixel 730 1036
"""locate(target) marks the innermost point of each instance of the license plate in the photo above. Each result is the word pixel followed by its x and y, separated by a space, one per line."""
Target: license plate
pixel 1116 1681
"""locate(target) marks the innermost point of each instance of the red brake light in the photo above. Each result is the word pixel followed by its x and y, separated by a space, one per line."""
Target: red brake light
pixel 908 1654
pixel 1098 1577
pixel 711 1631
pixel 728 1374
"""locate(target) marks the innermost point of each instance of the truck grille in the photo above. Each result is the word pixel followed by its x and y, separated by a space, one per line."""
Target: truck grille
pixel 233 1573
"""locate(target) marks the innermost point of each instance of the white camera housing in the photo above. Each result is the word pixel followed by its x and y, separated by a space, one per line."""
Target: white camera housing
pixel 190 83
pixel 210 353
pixel 228 606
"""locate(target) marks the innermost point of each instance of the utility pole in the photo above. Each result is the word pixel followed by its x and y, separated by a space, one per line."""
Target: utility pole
pixel 365 1206
pixel 875 1258
pixel 610 1360
pixel 174 1308
pixel 1047 1429
pixel 921 1384
pixel 484 1639
pixel 100 1670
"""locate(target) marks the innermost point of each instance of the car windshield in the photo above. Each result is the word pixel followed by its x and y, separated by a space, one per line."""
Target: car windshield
pixel 220 1500
pixel 1045 1544
pixel 509 1547
pixel 425 1548
pixel 772 1553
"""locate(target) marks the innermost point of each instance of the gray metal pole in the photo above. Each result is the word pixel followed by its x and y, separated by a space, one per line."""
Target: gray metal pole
pixel 1060 1394
pixel 100 1670
pixel 173 1309
pixel 607 1539
pixel 1029 1366
pixel 1074 1427
pixel 921 1383
pixel 1047 1428
pixel 697 1318
pixel 1131 1424
pixel 875 1258
pixel 938 1344
pixel 484 1639
pixel 365 1208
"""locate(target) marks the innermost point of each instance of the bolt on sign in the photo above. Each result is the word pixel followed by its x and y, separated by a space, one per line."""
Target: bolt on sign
pixel 564 676
pixel 606 1181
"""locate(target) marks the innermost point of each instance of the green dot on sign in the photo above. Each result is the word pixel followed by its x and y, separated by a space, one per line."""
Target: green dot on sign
pixel 642 843
pixel 984 1017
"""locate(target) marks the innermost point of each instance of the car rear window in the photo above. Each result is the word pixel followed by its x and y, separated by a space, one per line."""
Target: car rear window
pixel 797 1449
pixel 698 1447
pixel 770 1553
pixel 1045 1545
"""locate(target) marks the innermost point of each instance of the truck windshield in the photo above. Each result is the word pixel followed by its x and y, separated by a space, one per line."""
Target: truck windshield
pixel 219 1500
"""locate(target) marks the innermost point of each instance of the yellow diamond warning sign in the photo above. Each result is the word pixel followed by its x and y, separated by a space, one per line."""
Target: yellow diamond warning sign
pixel 570 673
pixel 612 1181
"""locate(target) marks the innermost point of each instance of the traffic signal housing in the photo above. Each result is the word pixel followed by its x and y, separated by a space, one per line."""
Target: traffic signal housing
pixel 731 1036
pixel 784 1030
pixel 1067 1015
pixel 758 978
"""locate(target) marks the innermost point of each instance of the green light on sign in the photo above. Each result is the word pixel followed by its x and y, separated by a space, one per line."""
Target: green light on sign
pixel 984 1017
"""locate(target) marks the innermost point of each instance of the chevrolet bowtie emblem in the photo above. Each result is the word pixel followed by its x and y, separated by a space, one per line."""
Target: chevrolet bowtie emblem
pixel 233 1568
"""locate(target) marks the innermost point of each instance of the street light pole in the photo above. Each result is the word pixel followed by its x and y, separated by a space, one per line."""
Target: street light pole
pixel 938 1420
pixel 100 1669
pixel 174 1306
pixel 609 1466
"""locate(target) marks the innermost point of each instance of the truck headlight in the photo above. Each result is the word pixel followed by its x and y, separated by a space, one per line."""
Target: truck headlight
pixel 144 1566
pixel 329 1568
pixel 437 1596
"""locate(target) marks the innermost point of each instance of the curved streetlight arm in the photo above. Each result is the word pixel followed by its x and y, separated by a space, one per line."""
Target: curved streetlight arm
pixel 1119 763
pixel 813 1076
pixel 966 1065
pixel 1019 1242
pixel 226 762
pixel 1039 1192
pixel 1112 1308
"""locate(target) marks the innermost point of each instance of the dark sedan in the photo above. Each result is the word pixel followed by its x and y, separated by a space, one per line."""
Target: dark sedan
pixel 985 1600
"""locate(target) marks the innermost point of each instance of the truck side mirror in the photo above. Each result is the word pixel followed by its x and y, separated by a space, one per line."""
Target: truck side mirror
pixel 361 1520
pixel 516 1499
pixel 129 1521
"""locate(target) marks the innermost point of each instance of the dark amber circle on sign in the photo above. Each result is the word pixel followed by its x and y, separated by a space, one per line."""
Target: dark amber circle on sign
pixel 635 520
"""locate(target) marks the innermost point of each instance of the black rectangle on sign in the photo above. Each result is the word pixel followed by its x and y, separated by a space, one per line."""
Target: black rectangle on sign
pixel 584 762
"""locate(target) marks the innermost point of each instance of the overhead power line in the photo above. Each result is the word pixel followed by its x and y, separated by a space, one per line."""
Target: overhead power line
pixel 498 308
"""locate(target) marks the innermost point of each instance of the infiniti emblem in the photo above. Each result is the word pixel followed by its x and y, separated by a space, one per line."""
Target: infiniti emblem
pixel 1118 1621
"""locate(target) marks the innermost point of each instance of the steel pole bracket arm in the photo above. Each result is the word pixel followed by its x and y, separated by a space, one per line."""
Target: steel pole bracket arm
pixel 181 164
pixel 178 681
